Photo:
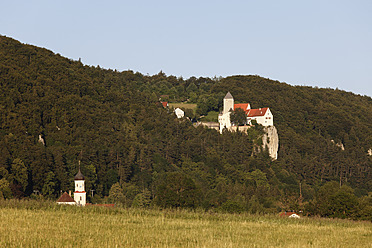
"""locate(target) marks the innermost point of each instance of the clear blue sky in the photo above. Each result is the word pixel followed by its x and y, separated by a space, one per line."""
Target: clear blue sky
pixel 316 43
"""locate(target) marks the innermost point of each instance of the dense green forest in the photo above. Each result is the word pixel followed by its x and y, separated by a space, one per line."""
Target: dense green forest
pixel 55 112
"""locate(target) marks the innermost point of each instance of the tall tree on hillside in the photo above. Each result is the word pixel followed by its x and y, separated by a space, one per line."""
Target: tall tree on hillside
pixel 5 192
pixel 238 117
pixel 19 173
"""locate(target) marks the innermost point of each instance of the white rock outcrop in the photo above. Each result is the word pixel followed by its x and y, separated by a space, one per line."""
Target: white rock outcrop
pixel 271 140
pixel 339 144
pixel 41 140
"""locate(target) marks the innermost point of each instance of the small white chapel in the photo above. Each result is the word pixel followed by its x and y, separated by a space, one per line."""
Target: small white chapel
pixel 79 194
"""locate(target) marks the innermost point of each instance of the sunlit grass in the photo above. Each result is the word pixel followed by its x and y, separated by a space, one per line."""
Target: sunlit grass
pixel 183 105
pixel 49 225
pixel 212 116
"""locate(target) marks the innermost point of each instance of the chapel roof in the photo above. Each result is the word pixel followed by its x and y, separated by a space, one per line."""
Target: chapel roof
pixel 229 96
pixel 79 176
pixel 65 198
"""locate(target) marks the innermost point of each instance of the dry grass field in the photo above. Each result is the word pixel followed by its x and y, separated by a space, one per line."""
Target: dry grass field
pixel 35 224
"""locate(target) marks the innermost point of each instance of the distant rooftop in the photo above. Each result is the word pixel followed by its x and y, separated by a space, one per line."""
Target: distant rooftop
pixel 228 96
pixel 79 176
pixel 65 198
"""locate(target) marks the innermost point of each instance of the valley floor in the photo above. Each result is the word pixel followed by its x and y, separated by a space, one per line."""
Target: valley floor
pixel 68 226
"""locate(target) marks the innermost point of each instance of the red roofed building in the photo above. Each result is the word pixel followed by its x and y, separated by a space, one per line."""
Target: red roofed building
pixel 66 199
pixel 165 104
pixel 244 106
pixel 262 116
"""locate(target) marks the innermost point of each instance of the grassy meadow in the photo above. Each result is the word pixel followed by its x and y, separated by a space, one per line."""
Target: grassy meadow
pixel 183 105
pixel 211 117
pixel 43 224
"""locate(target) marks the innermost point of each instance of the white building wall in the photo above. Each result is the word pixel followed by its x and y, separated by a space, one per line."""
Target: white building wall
pixel 80 194
pixel 179 113
pixel 79 186
pixel 269 118
pixel 224 120
pixel 80 198
pixel 228 104
pixel 67 203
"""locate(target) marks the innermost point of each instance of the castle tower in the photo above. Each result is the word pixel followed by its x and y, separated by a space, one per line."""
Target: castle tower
pixel 228 103
pixel 80 194
pixel 224 117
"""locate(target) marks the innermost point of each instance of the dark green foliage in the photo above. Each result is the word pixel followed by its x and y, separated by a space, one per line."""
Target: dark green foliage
pixel 335 201
pixel 177 190
pixel 133 151
pixel 238 117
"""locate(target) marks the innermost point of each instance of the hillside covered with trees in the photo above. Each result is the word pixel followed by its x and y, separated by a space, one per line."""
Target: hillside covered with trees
pixel 55 112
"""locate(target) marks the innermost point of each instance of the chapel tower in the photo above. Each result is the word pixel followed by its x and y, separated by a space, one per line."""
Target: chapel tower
pixel 80 194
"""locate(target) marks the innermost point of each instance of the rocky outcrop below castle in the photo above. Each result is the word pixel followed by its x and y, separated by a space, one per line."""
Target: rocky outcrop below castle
pixel 270 140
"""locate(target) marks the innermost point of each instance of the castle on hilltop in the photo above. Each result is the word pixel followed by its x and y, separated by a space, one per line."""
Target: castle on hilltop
pixel 262 116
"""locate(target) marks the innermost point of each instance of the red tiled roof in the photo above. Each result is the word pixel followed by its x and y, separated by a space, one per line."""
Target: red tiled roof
pixel 250 112
pixel 286 213
pixel 65 198
pixel 165 104
pixel 243 106
pixel 256 112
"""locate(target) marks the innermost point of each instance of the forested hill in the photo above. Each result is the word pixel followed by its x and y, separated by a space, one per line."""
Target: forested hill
pixel 308 120
pixel 135 152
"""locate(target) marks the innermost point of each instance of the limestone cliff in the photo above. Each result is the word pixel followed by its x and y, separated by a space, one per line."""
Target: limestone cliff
pixel 271 140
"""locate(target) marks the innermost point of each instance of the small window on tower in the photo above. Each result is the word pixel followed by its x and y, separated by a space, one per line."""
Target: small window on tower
pixel 81 198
